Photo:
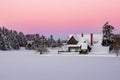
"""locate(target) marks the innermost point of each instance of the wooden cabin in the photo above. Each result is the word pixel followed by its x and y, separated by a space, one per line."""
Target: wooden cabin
pixel 75 42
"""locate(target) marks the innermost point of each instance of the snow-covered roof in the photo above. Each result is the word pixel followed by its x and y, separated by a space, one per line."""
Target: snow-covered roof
pixel 86 37
pixel 71 35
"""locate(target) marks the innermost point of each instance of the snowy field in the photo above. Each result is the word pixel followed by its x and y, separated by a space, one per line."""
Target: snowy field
pixel 29 65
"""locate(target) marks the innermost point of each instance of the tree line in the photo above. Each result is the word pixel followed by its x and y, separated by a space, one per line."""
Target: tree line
pixel 11 39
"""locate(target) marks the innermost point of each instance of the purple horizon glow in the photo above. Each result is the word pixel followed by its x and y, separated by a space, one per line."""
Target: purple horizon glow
pixel 59 17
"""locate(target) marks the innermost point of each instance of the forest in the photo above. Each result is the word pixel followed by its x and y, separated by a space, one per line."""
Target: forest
pixel 11 39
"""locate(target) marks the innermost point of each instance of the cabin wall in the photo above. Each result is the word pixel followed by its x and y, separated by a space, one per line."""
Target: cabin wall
pixel 73 49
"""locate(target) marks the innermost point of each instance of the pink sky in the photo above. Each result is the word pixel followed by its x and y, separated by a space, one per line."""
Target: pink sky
pixel 59 17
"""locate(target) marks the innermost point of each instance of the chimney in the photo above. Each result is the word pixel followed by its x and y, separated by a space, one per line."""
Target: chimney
pixel 91 39
pixel 82 35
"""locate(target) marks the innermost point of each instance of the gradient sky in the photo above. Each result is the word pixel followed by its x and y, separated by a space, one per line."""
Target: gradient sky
pixel 59 17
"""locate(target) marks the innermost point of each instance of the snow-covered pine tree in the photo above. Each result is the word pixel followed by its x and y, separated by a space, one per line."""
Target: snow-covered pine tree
pixel 4 39
pixel 13 41
pixel 107 34
pixel 2 42
pixel 21 39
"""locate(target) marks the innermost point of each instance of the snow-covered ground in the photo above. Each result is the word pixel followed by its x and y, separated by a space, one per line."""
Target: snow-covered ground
pixel 29 65
pixel 96 51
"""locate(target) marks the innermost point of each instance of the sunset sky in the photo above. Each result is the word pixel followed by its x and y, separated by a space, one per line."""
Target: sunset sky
pixel 59 17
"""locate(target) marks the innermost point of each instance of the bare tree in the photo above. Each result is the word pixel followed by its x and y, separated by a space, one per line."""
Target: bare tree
pixel 42 49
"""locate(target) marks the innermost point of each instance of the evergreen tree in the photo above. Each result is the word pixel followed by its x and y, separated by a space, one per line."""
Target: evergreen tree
pixel 107 34
pixel 21 39
pixel 2 43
